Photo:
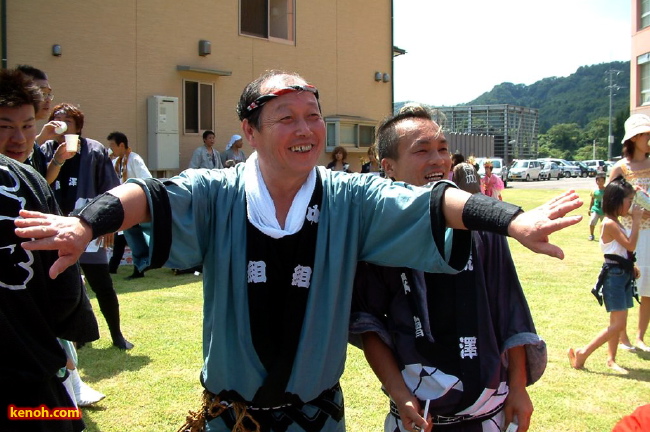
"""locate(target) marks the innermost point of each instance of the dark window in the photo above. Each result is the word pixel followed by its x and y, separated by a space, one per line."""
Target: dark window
pixel 191 101
pixel 198 106
pixel 254 17
pixel 269 19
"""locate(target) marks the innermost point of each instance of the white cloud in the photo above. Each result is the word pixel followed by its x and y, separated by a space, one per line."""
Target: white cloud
pixel 456 50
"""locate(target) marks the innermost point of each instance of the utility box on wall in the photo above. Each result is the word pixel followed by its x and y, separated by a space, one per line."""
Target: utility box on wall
pixel 164 144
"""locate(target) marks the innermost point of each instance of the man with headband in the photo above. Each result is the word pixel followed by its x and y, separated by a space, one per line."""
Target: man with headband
pixel 279 240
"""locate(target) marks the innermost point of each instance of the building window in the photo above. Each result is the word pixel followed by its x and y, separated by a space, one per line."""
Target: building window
pixel 645 13
pixel 268 19
pixel 198 100
pixel 349 132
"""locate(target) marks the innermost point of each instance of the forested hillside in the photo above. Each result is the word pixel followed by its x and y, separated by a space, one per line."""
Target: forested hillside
pixel 579 98
pixel 573 110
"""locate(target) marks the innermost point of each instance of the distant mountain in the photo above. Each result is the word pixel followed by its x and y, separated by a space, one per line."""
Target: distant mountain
pixel 579 98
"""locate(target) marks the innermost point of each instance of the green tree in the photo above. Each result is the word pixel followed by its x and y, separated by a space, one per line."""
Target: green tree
pixel 563 138
pixel 597 130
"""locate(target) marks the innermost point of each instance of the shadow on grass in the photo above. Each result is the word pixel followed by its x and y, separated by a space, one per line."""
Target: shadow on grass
pixel 101 363
pixel 643 355
pixel 640 375
pixel 154 279
pixel 91 425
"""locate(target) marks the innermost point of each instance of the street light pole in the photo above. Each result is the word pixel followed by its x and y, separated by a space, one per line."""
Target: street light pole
pixel 594 151
pixel 611 87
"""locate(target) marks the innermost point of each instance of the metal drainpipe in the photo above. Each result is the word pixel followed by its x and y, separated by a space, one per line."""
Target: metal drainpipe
pixel 392 57
pixel 3 13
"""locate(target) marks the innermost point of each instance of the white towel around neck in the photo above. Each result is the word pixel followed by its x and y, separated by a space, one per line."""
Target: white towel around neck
pixel 261 209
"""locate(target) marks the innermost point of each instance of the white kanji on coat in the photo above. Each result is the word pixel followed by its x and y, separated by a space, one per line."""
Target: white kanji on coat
pixel 256 272
pixel 313 214
pixel 470 264
pixel 72 181
pixel 419 332
pixel 468 347
pixel 301 276
pixel 405 283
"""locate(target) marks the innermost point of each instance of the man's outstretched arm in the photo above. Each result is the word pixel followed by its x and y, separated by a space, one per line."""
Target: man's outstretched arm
pixel 71 235
pixel 531 228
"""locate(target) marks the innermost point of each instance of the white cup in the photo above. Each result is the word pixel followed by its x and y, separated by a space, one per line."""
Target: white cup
pixel 71 142
pixel 61 127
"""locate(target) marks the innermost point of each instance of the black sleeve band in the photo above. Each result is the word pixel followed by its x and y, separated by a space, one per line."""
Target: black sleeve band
pixel 461 244
pixel 104 214
pixel 482 213
pixel 161 215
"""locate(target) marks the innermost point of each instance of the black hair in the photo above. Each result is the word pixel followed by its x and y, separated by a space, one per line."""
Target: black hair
pixel 387 138
pixel 208 133
pixel 32 72
pixel 119 138
pixel 456 159
pixel 253 91
pixel 17 89
pixel 615 193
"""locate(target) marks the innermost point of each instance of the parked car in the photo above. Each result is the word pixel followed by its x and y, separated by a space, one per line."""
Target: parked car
pixel 599 164
pixel 525 169
pixel 610 164
pixel 585 171
pixel 568 170
pixel 550 170
pixel 499 169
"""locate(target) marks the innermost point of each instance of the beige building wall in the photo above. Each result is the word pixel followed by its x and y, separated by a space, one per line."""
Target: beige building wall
pixel 117 53
pixel 640 46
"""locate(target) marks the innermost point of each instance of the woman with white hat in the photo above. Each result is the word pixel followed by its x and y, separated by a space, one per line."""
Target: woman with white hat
pixel 635 167
pixel 233 151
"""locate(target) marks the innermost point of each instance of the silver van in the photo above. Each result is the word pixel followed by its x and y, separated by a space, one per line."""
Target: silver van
pixel 525 169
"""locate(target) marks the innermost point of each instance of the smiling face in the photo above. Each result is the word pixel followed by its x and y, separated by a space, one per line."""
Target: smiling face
pixel 291 136
pixel 423 153
pixel 17 132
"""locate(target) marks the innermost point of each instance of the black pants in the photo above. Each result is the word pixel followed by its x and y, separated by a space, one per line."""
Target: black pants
pixel 118 252
pixel 29 394
pixel 102 285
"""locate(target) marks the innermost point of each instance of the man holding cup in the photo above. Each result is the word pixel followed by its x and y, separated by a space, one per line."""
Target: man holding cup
pixel 79 169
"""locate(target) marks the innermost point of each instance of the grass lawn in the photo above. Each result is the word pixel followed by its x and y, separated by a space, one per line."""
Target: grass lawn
pixel 152 386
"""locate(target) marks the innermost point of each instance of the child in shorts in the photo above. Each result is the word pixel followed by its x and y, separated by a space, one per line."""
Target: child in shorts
pixel 618 271
pixel 595 207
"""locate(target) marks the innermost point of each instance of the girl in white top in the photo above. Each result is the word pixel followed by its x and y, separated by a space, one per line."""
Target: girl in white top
pixel 617 284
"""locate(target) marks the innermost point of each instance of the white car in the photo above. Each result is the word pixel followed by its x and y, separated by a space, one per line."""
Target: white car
pixel 599 164
pixel 525 169
pixel 550 170
pixel 498 168
pixel 568 169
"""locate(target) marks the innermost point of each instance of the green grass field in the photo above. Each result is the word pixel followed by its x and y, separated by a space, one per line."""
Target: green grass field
pixel 152 386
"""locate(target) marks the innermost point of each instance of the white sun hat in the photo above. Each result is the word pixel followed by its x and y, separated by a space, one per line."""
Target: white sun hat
pixel 636 124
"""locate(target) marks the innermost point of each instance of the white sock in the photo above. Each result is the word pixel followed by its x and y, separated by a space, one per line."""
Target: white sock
pixel 67 383
pixel 84 394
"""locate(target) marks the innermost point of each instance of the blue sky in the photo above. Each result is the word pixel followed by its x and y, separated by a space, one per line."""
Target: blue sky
pixel 459 49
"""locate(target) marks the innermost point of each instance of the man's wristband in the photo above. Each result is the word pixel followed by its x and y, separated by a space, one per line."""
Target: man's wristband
pixel 57 163
pixel 482 213
pixel 104 214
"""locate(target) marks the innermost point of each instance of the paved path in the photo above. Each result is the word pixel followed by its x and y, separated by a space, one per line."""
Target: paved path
pixel 562 184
